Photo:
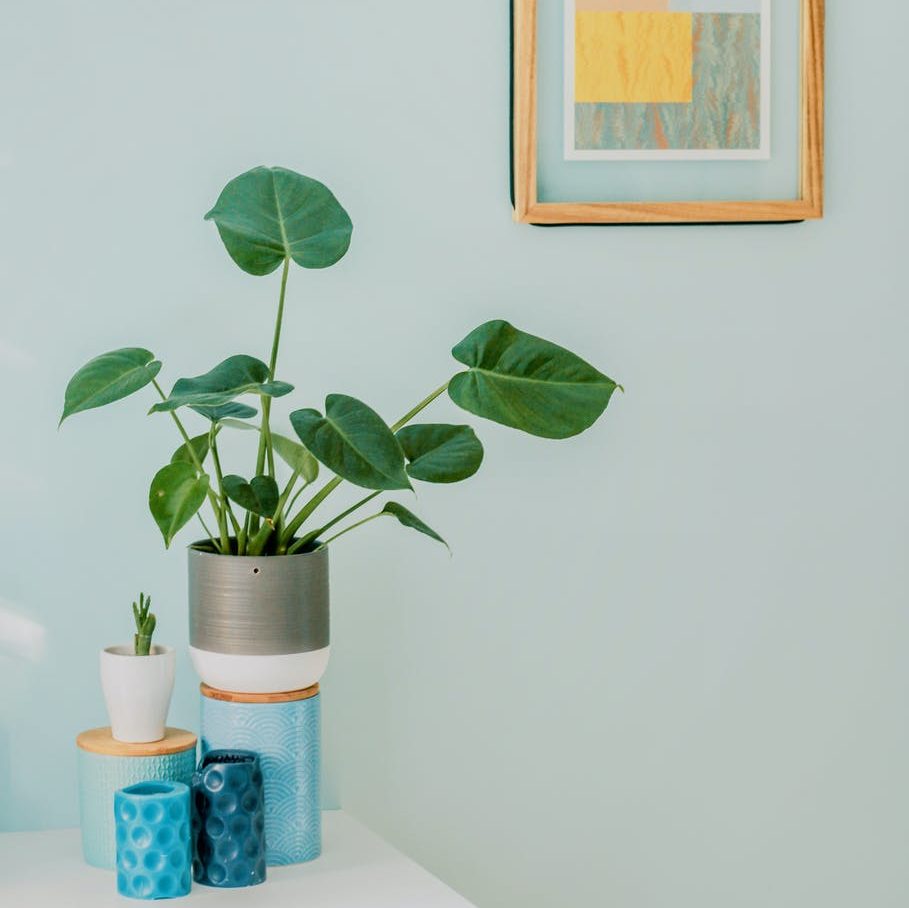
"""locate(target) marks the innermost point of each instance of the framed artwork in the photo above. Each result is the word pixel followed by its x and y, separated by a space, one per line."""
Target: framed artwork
pixel 667 111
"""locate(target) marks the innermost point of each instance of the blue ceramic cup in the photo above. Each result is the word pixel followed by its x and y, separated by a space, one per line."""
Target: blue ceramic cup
pixel 153 843
pixel 229 820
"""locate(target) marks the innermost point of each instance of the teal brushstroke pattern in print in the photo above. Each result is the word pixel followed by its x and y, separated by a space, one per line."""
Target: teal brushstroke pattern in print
pixel 287 737
pixel 725 112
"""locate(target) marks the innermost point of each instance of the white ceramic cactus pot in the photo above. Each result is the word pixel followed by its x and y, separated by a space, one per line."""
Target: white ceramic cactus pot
pixel 137 691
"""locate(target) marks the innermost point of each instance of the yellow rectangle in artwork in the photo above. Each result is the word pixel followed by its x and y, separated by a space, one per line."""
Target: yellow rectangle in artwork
pixel 627 57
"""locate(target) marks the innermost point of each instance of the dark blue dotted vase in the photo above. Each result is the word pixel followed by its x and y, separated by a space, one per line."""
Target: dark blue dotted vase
pixel 153 845
pixel 228 820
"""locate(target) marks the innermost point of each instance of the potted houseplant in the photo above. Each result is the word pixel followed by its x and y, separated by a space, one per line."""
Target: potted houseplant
pixel 258 580
pixel 137 680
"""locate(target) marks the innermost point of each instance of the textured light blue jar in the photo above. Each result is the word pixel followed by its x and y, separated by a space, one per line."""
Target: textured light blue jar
pixel 101 774
pixel 153 843
pixel 287 737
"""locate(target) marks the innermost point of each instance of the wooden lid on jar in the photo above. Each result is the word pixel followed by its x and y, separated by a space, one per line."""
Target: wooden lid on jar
pixel 230 696
pixel 101 741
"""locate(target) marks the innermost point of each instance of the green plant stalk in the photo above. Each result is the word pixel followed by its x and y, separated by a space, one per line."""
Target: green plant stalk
pixel 353 526
pixel 219 476
pixel 291 503
pixel 422 405
pixel 220 513
pixel 307 509
pixel 283 506
pixel 244 535
pixel 265 446
pixel 213 499
pixel 315 534
pixel 145 625
pixel 208 533
pixel 266 435
pixel 260 539
pixel 326 490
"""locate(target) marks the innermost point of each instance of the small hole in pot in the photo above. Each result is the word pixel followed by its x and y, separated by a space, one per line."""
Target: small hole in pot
pixel 255 570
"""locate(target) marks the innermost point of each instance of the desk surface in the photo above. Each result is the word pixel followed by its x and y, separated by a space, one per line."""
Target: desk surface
pixel 357 870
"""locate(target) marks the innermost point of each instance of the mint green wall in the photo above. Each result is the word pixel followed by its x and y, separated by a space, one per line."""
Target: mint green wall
pixel 667 663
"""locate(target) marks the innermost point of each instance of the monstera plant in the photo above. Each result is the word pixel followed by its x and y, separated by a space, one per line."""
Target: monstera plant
pixel 269 218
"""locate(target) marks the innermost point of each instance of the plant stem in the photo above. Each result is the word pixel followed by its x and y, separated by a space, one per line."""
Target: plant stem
pixel 315 534
pixel 276 341
pixel 422 405
pixel 308 508
pixel 281 512
pixel 327 489
pixel 208 533
pixel 219 475
pixel 353 526
pixel 293 500
pixel 260 539
pixel 213 499
pixel 244 534
pixel 265 447
pixel 192 451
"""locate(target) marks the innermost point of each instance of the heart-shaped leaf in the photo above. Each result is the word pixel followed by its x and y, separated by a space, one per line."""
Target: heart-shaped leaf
pixel 226 411
pixel 235 376
pixel 409 519
pixel 200 446
pixel 527 383
pixel 176 493
pixel 109 377
pixel 441 453
pixel 354 442
pixel 296 457
pixel 259 495
pixel 268 214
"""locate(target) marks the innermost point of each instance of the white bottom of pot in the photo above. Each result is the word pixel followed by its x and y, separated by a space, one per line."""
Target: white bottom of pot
pixel 259 674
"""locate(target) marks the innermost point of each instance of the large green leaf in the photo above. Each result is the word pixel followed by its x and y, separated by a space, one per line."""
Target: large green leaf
pixel 441 453
pixel 200 445
pixel 176 493
pixel 268 214
pixel 259 495
pixel 235 376
pixel 109 377
pixel 353 441
pixel 527 383
pixel 409 519
pixel 226 411
pixel 296 456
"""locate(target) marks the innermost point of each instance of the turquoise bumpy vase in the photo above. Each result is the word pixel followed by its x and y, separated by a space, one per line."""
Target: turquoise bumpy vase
pixel 153 841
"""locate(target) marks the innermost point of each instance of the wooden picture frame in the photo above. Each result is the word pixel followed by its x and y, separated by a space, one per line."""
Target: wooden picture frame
pixel 529 210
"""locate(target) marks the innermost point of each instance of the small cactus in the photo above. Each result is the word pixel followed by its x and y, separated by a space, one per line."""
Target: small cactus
pixel 145 625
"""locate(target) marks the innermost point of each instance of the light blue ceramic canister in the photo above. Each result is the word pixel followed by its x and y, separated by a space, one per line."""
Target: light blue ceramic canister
pixel 106 765
pixel 284 730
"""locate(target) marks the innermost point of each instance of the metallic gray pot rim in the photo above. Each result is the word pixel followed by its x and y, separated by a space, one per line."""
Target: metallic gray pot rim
pixel 203 547
pixel 256 605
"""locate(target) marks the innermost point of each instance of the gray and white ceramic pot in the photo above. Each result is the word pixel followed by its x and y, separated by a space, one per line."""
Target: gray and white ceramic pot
pixel 259 624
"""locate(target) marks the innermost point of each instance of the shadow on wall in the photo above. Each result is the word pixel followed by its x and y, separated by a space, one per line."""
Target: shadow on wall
pixel 22 641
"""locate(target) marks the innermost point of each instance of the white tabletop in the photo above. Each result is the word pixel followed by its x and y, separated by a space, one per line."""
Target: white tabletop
pixel 357 870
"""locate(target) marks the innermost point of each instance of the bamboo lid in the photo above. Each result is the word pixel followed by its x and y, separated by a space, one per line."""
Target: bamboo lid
pixel 230 696
pixel 101 741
